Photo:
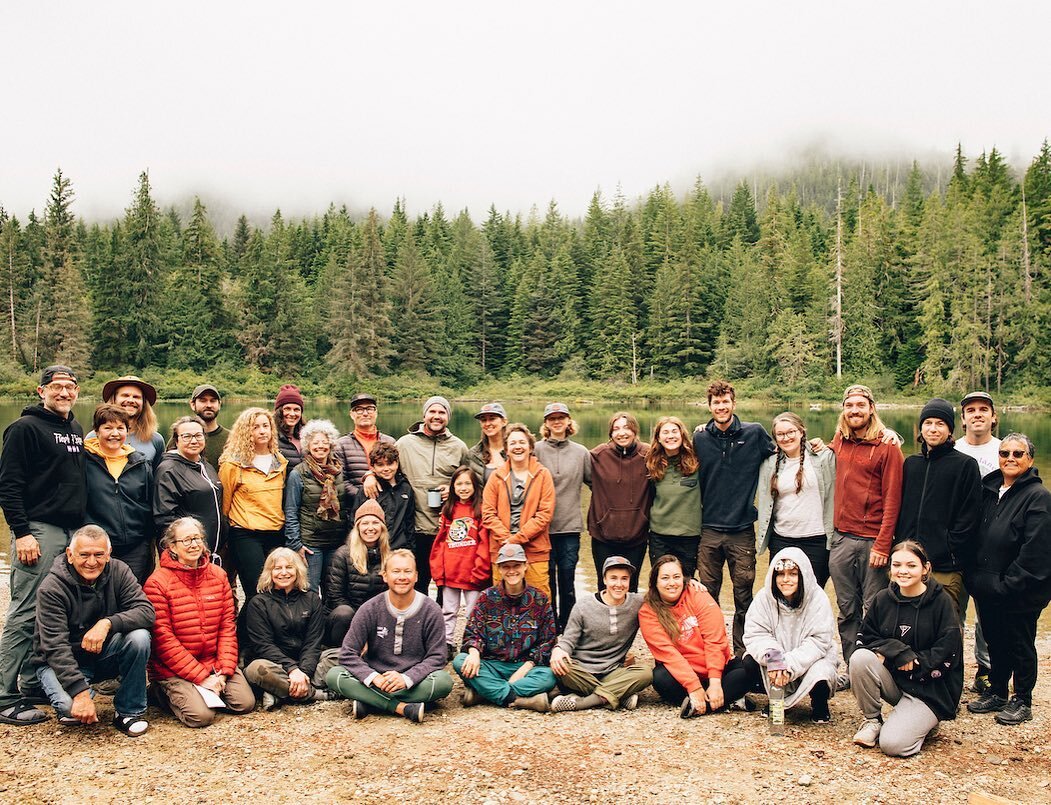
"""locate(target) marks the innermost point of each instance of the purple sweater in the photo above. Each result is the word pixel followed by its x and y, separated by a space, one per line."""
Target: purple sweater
pixel 410 642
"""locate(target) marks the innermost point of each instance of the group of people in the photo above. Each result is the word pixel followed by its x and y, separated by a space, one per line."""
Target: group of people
pixel 127 551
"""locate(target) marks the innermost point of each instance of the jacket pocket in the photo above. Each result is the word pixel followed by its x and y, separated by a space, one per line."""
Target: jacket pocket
pixel 619 524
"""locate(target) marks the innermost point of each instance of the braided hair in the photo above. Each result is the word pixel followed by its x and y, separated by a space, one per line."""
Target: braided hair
pixel 789 419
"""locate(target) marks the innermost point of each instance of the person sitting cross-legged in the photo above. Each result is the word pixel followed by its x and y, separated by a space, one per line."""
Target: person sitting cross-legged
pixel 589 659
pixel 92 624
pixel 508 640
pixel 393 656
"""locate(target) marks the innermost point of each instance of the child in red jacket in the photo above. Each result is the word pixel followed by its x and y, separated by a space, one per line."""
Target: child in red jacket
pixel 460 563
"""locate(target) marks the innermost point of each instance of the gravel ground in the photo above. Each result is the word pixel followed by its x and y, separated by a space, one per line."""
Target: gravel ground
pixel 318 753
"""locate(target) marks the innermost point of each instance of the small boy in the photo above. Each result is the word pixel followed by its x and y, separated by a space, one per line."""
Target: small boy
pixel 395 497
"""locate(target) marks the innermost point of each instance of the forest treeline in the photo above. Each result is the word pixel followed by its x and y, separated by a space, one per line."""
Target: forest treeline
pixel 917 283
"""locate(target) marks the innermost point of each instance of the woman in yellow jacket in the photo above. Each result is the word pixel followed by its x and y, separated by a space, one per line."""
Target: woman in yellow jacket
pixel 517 505
pixel 252 471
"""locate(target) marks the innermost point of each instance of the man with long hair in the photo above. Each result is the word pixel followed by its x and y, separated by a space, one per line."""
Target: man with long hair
pixel 137 398
pixel 867 502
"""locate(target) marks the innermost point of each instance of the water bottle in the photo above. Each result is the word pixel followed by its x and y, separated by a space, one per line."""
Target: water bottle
pixel 777 710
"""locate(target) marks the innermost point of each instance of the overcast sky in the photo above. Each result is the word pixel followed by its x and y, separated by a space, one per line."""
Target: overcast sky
pixel 259 105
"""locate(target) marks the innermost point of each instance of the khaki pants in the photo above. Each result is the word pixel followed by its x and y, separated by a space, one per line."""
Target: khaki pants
pixel 272 678
pixel 188 705
pixel 616 685
pixel 536 576
pixel 953 584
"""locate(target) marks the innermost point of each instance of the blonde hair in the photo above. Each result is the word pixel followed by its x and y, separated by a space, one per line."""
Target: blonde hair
pixel 239 449
pixel 398 552
pixel 657 458
pixel 873 431
pixel 266 578
pixel 358 551
pixel 545 431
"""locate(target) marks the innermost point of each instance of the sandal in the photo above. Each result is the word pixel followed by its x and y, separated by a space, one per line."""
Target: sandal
pixel 22 714
pixel 131 725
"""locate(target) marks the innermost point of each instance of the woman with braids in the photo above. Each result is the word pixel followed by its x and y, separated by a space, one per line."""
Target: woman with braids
pixel 252 471
pixel 675 516
pixel 795 494
pixel 491 452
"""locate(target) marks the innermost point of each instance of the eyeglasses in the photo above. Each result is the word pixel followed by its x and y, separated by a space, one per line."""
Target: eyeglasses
pixel 786 434
pixel 364 409
pixel 191 437
pixel 1012 453
pixel 58 388
pixel 188 541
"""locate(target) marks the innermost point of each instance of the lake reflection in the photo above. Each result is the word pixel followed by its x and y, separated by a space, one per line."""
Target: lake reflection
pixel 592 422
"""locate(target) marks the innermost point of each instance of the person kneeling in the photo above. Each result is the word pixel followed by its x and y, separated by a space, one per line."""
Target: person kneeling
pixel 402 635
pixel 589 657
pixel 790 635
pixel 92 624
pixel 683 626
pixel 508 640
pixel 910 654
pixel 284 626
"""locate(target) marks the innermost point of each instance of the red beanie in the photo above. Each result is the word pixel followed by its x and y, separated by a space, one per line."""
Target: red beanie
pixel 288 394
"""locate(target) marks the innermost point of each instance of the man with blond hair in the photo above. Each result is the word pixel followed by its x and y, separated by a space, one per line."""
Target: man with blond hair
pixel 867 502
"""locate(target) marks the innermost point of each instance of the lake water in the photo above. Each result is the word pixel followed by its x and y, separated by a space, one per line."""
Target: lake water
pixel 592 421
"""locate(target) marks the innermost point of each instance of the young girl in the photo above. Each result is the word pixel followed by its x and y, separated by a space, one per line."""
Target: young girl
pixel 460 562
pixel 909 654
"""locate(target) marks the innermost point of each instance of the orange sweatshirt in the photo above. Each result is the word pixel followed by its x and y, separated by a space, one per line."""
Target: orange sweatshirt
pixel 702 649
pixel 537 510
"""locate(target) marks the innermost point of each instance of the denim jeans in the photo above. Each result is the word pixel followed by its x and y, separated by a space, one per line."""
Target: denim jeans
pixel 565 551
pixel 124 656
pixel 318 561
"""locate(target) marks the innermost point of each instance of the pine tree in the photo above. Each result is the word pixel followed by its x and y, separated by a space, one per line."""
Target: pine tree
pixel 740 220
pixel 417 324
pixel 616 326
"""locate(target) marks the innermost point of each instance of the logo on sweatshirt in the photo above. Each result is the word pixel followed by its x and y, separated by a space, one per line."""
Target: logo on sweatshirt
pixel 905 629
pixel 382 632
pixel 460 533
pixel 689 623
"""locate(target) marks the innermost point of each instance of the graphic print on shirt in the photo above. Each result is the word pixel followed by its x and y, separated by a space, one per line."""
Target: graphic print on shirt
pixel 460 533
pixel 904 629
pixel 382 632
pixel 686 627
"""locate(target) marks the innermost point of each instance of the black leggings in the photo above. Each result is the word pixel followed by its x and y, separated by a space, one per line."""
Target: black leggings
pixel 735 683
pixel 819 693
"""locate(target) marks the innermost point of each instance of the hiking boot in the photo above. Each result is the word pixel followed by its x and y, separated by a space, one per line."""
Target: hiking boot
pixel 563 704
pixel 539 703
pixel 629 702
pixel 471 697
pixel 360 709
pixel 989 703
pixel 868 733
pixel 1016 712
pixel 414 711
pixel 981 681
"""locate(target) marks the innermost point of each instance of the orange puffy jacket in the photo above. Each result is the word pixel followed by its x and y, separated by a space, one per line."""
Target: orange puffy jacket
pixel 195 634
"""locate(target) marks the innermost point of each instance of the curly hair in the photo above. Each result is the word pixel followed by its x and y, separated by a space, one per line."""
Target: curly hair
pixel 315 427
pixel 657 459
pixel 720 388
pixel 518 427
pixel 239 447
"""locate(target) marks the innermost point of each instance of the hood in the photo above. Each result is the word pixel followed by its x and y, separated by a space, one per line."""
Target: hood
pixel 933 588
pixel 416 429
pixel 92 445
pixel 47 415
pixel 995 479
pixel 178 567
pixel 806 575
pixel 713 430
pixel 178 458
pixel 63 570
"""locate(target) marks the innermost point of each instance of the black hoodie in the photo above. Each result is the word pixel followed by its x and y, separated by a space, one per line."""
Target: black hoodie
pixel 924 628
pixel 42 471
pixel 941 491
pixel 1013 563
pixel 67 607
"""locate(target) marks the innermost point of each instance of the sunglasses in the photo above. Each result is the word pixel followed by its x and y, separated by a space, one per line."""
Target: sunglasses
pixel 1012 453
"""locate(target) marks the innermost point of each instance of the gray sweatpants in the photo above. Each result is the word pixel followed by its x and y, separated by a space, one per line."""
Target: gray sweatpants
pixel 856 584
pixel 909 722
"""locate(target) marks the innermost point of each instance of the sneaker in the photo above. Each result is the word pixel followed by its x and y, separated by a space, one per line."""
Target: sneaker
pixel 471 697
pixel 133 726
pixel 743 705
pixel 325 695
pixel 868 734
pixel 539 703
pixel 981 683
pixel 69 721
pixel 269 701
pixel 360 709
pixel 989 703
pixel 819 713
pixel 630 702
pixel 414 711
pixel 687 710
pixel 563 704
pixel 1016 712
pixel 842 682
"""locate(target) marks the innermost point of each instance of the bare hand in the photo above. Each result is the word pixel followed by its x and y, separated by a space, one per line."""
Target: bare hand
pixel 817 444
pixel 83 708
pixel 96 636
pixel 370 486
pixel 304 552
pixel 469 669
pixel 389 682
pixel 215 683
pixel 298 684
pixel 445 491
pixel 779 678
pixel 523 669
pixel 699 700
pixel 559 662
pixel 892 437
pixel 629 660
pixel 715 694
pixel 877 559
pixel 28 551
pixel 879 656
pixel 909 666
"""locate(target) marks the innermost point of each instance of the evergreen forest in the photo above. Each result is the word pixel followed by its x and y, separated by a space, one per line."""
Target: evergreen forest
pixel 934 279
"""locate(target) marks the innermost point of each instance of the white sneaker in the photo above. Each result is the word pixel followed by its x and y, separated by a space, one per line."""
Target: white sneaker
pixel 630 702
pixel 269 701
pixel 868 734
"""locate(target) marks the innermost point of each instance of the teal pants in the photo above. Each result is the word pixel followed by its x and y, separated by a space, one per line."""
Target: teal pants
pixel 431 688
pixel 492 683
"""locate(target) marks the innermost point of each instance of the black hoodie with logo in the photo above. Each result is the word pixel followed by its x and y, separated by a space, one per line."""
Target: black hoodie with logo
pixel 42 471
pixel 923 628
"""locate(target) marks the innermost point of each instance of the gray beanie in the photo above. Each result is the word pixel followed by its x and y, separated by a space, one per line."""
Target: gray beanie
pixel 436 400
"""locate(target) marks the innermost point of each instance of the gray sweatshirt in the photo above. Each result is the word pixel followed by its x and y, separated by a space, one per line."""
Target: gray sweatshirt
pixel 570 466
pixel 599 636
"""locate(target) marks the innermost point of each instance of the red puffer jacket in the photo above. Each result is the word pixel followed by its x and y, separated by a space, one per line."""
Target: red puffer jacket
pixel 195 633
